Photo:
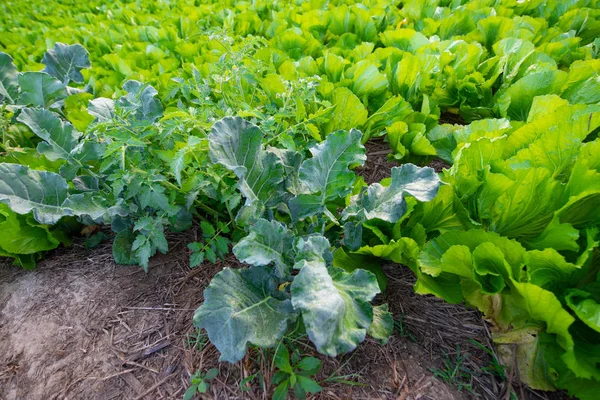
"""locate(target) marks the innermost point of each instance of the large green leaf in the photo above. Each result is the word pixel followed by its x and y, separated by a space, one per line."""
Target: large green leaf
pixel 334 305
pixel 431 261
pixel 20 237
pixel 243 307
pixel 348 112
pixel 9 86
pixel 267 242
pixel 387 203
pixel 60 140
pixel 141 101
pixel 26 190
pixel 40 89
pixel 65 62
pixel 327 175
pixel 237 144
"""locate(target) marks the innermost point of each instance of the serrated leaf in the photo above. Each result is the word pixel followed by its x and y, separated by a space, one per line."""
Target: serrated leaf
pixel 211 256
pixel 26 190
pixel 121 249
pixel 334 305
pixel 9 85
pixel 40 89
pixel 266 243
pixel 65 62
pixel 196 258
pixel 327 175
pixel 208 231
pixel 239 308
pixel 388 203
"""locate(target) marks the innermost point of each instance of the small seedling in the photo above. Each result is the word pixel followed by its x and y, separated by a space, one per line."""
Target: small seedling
pixel 495 368
pixel 294 374
pixel 403 330
pixel 197 340
pixel 199 383
pixel 455 372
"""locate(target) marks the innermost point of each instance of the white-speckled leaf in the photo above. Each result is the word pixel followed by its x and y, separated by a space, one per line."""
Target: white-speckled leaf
pixel 387 203
pixel 327 175
pixel 65 62
pixel 26 190
pixel 268 242
pixel 240 308
pixel 334 305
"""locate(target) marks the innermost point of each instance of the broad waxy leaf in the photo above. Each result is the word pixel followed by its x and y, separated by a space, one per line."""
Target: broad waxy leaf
pixel 267 242
pixel 141 100
pixel 240 308
pixel 387 203
pixel 237 144
pixel 9 86
pixel 65 62
pixel 26 190
pixel 40 89
pixel 327 175
pixel 334 305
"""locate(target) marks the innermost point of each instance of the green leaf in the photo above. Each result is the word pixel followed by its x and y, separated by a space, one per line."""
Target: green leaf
pixel 266 243
pixel 141 101
pixel 122 248
pixel 40 89
pixel 26 190
pixel 348 111
pixel 65 62
pixel 367 80
pixel 241 307
pixel 211 374
pixel 190 393
pixel 309 365
pixel 547 268
pixel 309 385
pixel 387 203
pixel 335 307
pixel 20 236
pixel 196 258
pixel 208 231
pixel 211 256
pixel 383 324
pixel 237 145
pixel 282 359
pixel 350 262
pixel 585 307
pixel 491 269
pixel 60 140
pixel 9 86
pixel 326 175
pixel 281 391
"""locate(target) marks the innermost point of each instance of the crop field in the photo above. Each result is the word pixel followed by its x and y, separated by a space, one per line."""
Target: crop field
pixel 318 199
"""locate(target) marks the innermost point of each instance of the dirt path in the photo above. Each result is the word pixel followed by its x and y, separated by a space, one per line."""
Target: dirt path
pixel 81 327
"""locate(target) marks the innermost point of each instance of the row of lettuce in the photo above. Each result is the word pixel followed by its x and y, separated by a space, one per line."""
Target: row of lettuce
pixel 510 228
